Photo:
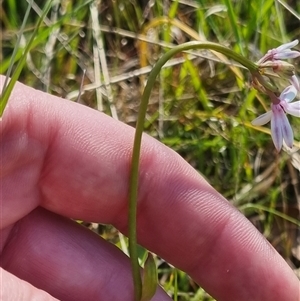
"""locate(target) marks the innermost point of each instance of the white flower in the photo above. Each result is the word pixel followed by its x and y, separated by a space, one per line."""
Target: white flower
pixel 284 51
pixel 280 126
pixel 281 53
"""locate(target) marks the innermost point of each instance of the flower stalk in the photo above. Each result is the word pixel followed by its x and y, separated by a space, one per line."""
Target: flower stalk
pixel 134 174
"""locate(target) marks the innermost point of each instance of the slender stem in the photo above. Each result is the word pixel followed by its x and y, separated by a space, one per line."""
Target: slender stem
pixel 133 189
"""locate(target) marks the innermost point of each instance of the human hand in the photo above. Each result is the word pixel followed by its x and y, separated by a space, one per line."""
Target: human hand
pixel 61 160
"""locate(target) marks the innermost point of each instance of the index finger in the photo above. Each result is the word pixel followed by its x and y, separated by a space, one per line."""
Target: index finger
pixel 79 162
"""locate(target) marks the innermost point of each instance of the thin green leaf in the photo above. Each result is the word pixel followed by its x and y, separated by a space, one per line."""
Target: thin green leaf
pixel 270 210
pixel 16 48
pixel 234 25
pixel 8 89
pixel 149 279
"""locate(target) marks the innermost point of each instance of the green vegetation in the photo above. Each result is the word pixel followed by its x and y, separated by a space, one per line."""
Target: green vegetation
pixel 202 103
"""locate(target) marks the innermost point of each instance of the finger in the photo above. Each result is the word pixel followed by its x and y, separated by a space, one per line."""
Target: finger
pixel 67 260
pixel 15 289
pixel 84 168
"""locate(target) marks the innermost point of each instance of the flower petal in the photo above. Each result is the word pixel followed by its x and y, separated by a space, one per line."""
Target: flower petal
pixel 295 82
pixel 287 132
pixel 281 128
pixel 288 94
pixel 287 45
pixel 276 132
pixel 286 54
pixel 293 108
pixel 262 119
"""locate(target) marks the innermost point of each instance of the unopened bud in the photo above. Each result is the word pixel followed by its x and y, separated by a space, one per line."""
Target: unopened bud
pixel 263 84
pixel 281 68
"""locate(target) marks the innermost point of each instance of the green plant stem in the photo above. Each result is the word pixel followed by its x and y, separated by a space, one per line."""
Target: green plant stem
pixel 133 188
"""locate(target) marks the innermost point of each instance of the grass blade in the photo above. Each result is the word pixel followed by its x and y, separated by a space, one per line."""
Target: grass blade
pixel 8 88
pixel 234 26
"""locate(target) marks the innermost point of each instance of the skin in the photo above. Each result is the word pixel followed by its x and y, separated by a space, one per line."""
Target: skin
pixel 61 160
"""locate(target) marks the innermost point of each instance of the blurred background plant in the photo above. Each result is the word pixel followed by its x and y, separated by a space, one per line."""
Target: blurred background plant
pixel 201 106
